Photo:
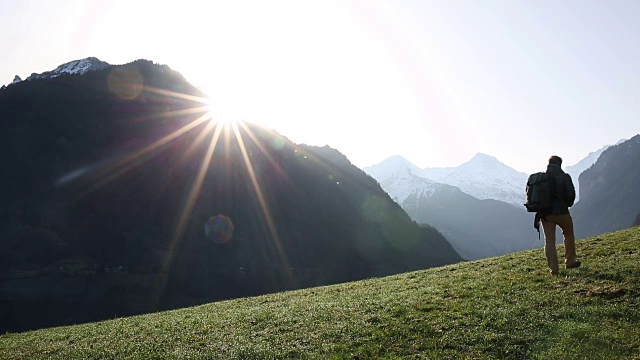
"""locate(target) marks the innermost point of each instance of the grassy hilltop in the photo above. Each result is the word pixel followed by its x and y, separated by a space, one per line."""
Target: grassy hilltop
pixel 503 308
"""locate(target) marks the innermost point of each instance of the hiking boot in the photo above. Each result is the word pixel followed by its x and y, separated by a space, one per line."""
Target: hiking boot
pixel 574 265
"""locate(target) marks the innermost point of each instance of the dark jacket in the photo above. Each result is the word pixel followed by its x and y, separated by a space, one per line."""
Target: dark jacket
pixel 563 193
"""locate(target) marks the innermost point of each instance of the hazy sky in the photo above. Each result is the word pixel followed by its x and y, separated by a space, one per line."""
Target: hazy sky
pixel 433 81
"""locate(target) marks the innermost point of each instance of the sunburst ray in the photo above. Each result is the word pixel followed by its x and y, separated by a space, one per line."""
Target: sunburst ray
pixel 261 199
pixel 186 212
pixel 129 162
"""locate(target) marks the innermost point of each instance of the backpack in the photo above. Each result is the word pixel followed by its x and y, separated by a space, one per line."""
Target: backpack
pixel 538 192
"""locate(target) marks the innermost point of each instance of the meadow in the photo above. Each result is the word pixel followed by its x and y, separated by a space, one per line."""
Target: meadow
pixel 507 307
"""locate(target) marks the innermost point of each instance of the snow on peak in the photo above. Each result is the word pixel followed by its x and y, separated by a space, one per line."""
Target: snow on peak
pixel 483 177
pixel 397 160
pixel 81 66
pixel 16 79
pixel 402 183
pixel 484 158
pixel 483 163
pixel 390 166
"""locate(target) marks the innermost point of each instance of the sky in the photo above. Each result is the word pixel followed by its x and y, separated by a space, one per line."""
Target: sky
pixel 433 81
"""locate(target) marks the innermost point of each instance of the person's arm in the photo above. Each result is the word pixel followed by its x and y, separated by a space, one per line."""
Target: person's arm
pixel 569 190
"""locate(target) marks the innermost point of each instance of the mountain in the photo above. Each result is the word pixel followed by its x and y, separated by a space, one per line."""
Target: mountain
pixel 609 193
pixel 581 166
pixel 391 165
pixel 405 183
pixel 475 228
pixel 116 202
pixel 483 177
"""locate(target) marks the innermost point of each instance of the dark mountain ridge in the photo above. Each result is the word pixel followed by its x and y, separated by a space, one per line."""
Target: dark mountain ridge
pixel 101 217
pixel 476 228
pixel 609 193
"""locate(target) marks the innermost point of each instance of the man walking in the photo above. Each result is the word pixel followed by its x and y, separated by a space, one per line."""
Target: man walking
pixel 563 194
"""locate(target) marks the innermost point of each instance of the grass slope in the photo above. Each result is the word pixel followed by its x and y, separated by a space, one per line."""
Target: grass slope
pixel 504 308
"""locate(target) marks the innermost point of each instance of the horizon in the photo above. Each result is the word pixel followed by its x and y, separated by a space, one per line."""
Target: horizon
pixel 542 167
pixel 434 83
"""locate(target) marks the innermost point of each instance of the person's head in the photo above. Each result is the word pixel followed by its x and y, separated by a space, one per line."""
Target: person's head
pixel 555 160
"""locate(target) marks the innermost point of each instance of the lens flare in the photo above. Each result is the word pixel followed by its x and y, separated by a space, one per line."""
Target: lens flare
pixel 126 82
pixel 219 229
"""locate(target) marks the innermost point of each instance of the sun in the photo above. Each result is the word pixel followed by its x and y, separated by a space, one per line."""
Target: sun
pixel 223 109
pixel 219 117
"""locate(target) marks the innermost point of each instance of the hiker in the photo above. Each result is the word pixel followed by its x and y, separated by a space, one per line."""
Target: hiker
pixel 563 194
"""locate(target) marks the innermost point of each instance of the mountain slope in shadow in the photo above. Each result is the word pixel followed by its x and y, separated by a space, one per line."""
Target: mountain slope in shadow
pixel 476 228
pixel 124 199
pixel 609 192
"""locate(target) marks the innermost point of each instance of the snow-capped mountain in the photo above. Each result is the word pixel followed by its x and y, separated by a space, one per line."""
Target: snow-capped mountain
pixel 483 177
pixel 73 67
pixel 405 183
pixel 390 166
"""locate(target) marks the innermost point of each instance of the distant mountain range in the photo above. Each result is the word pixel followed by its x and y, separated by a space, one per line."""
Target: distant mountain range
pixel 483 177
pixel 116 205
pixel 477 205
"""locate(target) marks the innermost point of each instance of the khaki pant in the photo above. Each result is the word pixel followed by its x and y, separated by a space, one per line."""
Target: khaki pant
pixel 549 229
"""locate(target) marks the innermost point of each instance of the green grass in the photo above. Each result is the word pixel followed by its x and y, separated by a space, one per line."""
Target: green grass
pixel 499 308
